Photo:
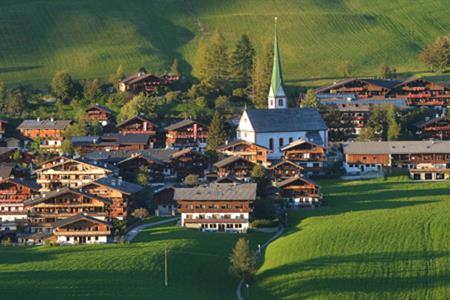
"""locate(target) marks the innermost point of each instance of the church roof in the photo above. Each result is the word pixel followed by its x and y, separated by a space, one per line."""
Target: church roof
pixel 286 120
pixel 277 80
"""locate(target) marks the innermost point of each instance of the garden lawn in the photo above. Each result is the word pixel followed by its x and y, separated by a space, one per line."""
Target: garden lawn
pixel 378 239
pixel 197 268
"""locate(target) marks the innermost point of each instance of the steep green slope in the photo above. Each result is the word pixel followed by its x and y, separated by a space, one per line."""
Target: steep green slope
pixel 378 240
pixel 91 38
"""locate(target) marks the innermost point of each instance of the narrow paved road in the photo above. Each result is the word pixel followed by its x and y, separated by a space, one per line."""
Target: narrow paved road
pixel 135 231
pixel 274 237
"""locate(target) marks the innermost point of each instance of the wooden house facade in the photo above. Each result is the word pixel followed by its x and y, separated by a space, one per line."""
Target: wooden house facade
pixel 235 166
pixel 139 125
pixel 437 128
pixel 141 82
pixel 164 203
pixel 246 150
pixel 67 172
pixel 100 114
pixel 217 207
pixel 300 192
pixel 187 134
pixel 310 156
pixel 50 132
pixel 285 169
pixel 81 229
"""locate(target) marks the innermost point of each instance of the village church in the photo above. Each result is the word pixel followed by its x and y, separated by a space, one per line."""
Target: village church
pixel 278 125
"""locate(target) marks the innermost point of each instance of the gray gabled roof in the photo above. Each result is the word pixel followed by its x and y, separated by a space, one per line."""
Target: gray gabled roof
pixel 44 124
pixel 397 147
pixel 229 160
pixel 181 124
pixel 63 191
pixel 218 191
pixel 293 179
pixel 286 120
pixel 119 184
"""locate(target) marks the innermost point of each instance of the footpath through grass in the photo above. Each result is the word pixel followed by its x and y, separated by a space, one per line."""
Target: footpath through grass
pixel 198 268
pixel 377 240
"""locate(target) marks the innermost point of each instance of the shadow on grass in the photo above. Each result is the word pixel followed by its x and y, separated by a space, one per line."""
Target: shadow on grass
pixel 365 281
pixel 18 69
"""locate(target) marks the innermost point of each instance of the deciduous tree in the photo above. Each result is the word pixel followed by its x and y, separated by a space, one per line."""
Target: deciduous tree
pixel 63 85
pixel 261 177
pixel 310 100
pixel 393 128
pixel 243 260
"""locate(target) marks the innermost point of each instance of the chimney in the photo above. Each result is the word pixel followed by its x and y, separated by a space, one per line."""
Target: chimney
pixel 113 182
pixel 52 120
pixel 38 119
pixel 119 180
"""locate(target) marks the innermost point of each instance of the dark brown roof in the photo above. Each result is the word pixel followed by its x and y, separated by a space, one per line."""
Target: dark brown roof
pixel 218 191
pixel 63 191
pixel 297 143
pixel 229 160
pixel 77 218
pixel 238 142
pixel 140 76
pixel 293 179
pixel 185 151
pixel 384 83
pixel 135 118
pixel 286 161
pixel 100 107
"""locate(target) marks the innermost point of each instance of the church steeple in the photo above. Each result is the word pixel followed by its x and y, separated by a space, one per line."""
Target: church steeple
pixel 277 97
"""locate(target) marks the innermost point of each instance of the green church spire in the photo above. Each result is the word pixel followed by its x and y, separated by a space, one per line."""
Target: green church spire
pixel 277 80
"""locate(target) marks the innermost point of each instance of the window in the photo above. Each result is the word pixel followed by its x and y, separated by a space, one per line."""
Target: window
pixel 271 102
pixel 291 140
pixel 280 102
pixel 271 143
pixel 281 142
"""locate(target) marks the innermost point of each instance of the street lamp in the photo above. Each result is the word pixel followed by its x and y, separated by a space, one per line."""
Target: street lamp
pixel 247 286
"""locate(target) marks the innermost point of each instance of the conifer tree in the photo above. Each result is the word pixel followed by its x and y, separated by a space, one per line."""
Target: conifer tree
pixel 243 260
pixel 119 75
pixel 242 61
pixel 310 100
pixel 175 68
pixel 216 133
pixel 261 177
pixel 262 76
pixel 217 61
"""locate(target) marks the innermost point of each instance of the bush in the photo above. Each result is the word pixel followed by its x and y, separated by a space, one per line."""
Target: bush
pixel 264 223
pixel 140 213
pixel 7 241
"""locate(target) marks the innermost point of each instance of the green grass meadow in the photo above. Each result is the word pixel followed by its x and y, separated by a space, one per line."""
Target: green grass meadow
pixel 377 240
pixel 197 264
pixel 92 38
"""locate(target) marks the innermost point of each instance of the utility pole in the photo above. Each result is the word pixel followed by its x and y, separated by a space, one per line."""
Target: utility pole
pixel 166 280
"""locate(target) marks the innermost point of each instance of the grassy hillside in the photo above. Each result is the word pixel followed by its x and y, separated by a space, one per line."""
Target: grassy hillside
pixel 91 38
pixel 378 240
pixel 198 268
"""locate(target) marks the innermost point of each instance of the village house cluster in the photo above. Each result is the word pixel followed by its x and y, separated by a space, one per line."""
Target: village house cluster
pixel 82 198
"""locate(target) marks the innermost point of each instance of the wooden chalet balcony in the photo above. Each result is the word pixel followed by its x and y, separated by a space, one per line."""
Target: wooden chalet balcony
pixel 63 214
pixel 81 233
pixel 15 212
pixel 421 95
pixel 414 88
pixel 437 128
pixel 214 210
pixel 430 170
pixel 215 221
pixel 300 158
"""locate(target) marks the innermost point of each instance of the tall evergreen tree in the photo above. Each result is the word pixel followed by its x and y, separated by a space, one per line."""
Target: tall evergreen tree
pixel 242 61
pixel 217 61
pixel 175 68
pixel 310 100
pixel 393 128
pixel 262 75
pixel 216 133
pixel 16 100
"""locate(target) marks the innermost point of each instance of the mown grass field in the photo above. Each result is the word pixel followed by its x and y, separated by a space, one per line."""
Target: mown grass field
pixel 377 240
pixel 92 38
pixel 198 268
